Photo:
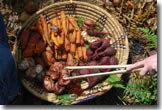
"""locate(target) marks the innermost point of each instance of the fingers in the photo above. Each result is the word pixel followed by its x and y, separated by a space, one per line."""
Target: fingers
pixel 136 65
pixel 144 71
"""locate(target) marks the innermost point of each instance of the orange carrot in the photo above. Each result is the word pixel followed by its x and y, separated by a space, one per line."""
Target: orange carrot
pixel 80 52
pixel 84 52
pixel 72 48
pixel 78 37
pixel 64 22
pixel 40 29
pixel 53 21
pixel 67 45
pixel 45 29
pixel 73 22
pixel 54 39
pixel 64 55
pixel 70 59
pixel 58 22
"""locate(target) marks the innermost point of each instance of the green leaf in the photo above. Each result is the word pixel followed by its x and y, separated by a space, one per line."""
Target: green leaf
pixel 119 86
pixel 65 99
pixel 80 21
pixel 113 78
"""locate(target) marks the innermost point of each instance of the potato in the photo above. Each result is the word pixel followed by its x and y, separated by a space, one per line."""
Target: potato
pixel 48 58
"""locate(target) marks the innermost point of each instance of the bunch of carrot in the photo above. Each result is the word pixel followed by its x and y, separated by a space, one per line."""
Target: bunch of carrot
pixel 68 42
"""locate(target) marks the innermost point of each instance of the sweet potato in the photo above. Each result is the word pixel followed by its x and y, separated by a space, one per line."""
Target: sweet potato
pixel 48 58
pixel 39 48
pixel 28 52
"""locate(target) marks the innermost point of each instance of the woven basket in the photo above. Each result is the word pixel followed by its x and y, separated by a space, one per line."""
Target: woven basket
pixel 88 11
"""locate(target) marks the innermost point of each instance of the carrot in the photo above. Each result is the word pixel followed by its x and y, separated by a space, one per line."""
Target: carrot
pixel 62 38
pixel 58 22
pixel 70 27
pixel 78 37
pixel 67 45
pixel 70 59
pixel 73 22
pixel 53 21
pixel 73 40
pixel 64 22
pixel 76 54
pixel 54 39
pixel 40 29
pixel 72 48
pixel 64 56
pixel 49 30
pixel 56 53
pixel 82 41
pixel 84 52
pixel 45 29
pixel 80 52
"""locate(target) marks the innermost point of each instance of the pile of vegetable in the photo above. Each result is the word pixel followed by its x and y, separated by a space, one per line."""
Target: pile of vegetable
pixel 52 44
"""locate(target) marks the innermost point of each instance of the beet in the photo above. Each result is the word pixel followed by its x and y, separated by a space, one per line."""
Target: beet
pixel 89 52
pixel 83 72
pixel 113 61
pixel 96 44
pixel 82 64
pixel 89 23
pixel 92 63
pixel 110 51
pixel 105 44
pixel 104 60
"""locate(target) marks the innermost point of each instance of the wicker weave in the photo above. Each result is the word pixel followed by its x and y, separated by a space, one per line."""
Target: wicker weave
pixel 88 11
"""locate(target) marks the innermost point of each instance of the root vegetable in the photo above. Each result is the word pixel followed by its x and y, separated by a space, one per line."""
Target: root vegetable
pixel 105 44
pixel 67 45
pixel 113 61
pixel 84 53
pixel 48 83
pixel 48 58
pixel 78 37
pixel 45 29
pixel 89 23
pixel 96 44
pixel 64 22
pixel 72 48
pixel 89 52
pixel 80 52
pixel 38 68
pixel 54 39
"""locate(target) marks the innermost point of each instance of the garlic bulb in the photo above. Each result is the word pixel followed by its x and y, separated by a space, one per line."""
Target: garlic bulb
pixel 30 73
pixel 26 63
pixel 38 68
pixel 88 38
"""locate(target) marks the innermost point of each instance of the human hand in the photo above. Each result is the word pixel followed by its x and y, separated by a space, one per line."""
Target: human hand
pixel 149 65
